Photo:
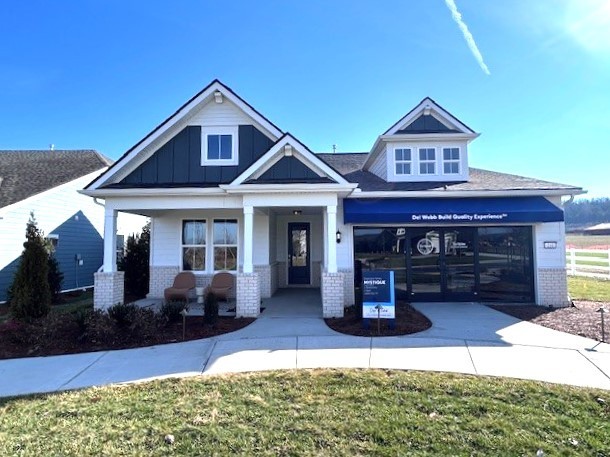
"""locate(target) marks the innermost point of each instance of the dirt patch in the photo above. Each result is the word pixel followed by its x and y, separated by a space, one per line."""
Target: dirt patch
pixel 67 337
pixel 408 320
pixel 581 319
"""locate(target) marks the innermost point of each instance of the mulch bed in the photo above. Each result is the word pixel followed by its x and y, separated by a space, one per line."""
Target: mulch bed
pixel 408 320
pixel 581 319
pixel 66 341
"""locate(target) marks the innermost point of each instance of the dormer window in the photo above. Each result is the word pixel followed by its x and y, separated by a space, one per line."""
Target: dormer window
pixel 427 161
pixel 219 146
pixel 402 159
pixel 451 161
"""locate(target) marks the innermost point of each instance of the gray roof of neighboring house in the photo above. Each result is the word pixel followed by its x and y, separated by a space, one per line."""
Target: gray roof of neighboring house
pixel 350 165
pixel 24 173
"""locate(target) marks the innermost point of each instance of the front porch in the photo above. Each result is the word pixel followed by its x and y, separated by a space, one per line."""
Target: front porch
pixel 269 246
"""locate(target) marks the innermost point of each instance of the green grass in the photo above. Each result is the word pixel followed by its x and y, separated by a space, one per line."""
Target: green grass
pixel 323 412
pixel 582 288
pixel 70 304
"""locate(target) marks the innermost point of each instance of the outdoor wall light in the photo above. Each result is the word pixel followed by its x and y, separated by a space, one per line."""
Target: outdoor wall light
pixel 338 234
pixel 296 212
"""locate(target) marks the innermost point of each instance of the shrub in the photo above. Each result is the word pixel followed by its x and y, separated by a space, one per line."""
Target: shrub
pixel 55 278
pixel 16 332
pixel 123 315
pixel 170 311
pixel 99 327
pixel 30 293
pixel 135 263
pixel 210 308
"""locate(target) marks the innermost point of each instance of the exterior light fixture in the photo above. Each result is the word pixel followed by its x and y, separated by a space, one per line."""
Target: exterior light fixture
pixel 296 212
pixel 338 234
pixel 218 96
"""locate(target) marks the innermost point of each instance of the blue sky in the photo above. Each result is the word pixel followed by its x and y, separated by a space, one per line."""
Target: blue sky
pixel 101 74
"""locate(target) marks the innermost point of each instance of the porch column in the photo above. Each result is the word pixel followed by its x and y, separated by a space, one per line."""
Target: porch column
pixel 110 216
pixel 331 242
pixel 109 285
pixel 248 238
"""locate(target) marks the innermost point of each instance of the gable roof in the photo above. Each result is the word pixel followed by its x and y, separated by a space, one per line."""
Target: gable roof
pixel 288 145
pixel 202 97
pixel 24 173
pixel 429 107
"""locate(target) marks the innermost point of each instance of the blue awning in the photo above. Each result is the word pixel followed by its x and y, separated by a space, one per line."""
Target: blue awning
pixel 432 211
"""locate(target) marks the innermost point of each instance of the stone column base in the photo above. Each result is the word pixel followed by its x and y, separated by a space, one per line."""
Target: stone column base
pixel 109 289
pixel 333 291
pixel 248 295
pixel 553 287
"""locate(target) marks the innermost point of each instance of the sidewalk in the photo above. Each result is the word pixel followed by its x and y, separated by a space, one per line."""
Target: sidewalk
pixel 465 338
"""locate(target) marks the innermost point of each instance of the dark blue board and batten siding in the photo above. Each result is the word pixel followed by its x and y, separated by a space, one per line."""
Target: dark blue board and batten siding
pixel 178 162
pixel 289 170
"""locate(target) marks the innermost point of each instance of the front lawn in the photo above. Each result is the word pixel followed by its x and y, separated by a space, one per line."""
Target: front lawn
pixel 319 412
pixel 582 288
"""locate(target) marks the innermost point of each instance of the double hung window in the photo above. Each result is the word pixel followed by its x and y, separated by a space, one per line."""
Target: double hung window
pixel 225 244
pixel 193 244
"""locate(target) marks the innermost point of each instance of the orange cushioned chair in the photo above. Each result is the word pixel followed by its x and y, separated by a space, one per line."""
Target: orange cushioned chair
pixel 221 285
pixel 183 283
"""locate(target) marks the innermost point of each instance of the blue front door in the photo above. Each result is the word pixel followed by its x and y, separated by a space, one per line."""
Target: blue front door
pixel 299 264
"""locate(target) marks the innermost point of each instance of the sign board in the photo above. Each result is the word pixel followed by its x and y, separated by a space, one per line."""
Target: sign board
pixel 378 295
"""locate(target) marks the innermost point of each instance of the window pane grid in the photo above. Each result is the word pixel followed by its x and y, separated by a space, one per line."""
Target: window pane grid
pixel 220 147
pixel 193 245
pixel 427 161
pixel 451 160
pixel 402 158
pixel 225 244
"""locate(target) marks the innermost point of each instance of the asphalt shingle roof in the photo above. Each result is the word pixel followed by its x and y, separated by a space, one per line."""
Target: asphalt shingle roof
pixel 350 165
pixel 24 173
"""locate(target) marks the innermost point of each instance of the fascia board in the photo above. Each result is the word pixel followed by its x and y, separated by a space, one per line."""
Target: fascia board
pixel 186 191
pixel 288 188
pixel 467 193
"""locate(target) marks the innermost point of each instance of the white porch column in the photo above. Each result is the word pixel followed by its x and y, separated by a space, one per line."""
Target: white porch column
pixel 248 238
pixel 110 216
pixel 331 242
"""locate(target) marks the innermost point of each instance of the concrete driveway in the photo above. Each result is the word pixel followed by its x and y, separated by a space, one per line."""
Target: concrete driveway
pixel 465 338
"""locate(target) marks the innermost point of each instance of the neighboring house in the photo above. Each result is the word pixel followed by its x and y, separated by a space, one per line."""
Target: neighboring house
pixel 226 189
pixel 46 183
pixel 599 229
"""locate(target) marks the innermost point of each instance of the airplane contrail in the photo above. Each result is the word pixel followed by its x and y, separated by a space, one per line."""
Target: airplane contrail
pixel 457 17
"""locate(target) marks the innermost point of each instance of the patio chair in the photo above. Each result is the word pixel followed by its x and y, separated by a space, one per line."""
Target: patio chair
pixel 221 285
pixel 183 283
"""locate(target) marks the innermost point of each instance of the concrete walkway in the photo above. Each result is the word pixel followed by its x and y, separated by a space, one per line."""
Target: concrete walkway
pixel 290 334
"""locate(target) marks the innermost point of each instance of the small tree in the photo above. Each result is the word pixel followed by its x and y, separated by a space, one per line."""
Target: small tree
pixel 55 277
pixel 30 293
pixel 135 263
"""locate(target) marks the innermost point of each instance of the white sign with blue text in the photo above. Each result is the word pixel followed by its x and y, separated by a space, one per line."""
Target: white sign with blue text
pixel 378 295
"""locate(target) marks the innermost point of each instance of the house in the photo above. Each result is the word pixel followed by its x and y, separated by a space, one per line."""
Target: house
pixel 46 183
pixel 226 189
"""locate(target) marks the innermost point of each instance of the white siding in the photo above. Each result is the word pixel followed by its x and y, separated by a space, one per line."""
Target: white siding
pixel 379 166
pixel 51 209
pixel 225 113
pixel 550 258
pixel 345 259
pixel 261 239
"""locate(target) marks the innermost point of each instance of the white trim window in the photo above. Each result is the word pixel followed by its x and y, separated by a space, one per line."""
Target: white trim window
pixel 225 244
pixel 427 161
pixel 451 161
pixel 219 146
pixel 402 161
pixel 193 244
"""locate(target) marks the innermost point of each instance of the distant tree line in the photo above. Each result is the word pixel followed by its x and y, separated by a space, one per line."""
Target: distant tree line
pixel 585 213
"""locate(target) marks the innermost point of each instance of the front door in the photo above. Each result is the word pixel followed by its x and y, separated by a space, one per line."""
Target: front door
pixel 299 269
pixel 441 263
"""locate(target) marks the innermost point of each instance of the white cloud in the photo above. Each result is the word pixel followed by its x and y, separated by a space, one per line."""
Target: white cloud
pixel 457 17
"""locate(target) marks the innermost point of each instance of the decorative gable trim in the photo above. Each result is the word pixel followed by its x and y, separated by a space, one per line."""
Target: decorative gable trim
pixel 289 146
pixel 213 92
pixel 429 107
